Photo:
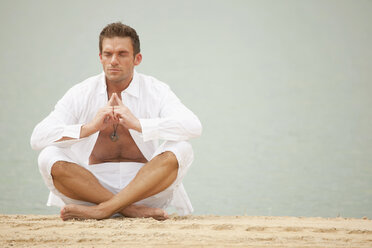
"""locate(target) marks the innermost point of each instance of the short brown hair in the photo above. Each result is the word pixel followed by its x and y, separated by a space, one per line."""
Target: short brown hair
pixel 118 29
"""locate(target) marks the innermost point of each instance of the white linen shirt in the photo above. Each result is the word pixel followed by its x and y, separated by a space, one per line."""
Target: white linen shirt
pixel 161 114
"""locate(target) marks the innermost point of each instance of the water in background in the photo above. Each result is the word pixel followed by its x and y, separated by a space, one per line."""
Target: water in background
pixel 283 90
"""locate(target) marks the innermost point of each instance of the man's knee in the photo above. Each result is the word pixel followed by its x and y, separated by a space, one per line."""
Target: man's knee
pixel 177 152
pixel 60 168
pixel 49 157
pixel 183 152
pixel 186 149
pixel 44 161
pixel 169 158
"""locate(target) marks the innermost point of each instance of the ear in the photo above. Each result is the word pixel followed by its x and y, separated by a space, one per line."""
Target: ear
pixel 137 59
pixel 100 57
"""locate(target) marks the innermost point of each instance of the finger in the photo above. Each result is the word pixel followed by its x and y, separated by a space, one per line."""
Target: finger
pixel 118 100
pixel 109 114
pixel 111 101
pixel 113 114
pixel 117 117
pixel 112 120
pixel 108 111
pixel 117 114
pixel 121 121
pixel 122 110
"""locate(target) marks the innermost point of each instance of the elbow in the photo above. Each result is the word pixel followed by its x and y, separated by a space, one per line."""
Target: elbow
pixel 195 128
pixel 35 142
pixel 198 129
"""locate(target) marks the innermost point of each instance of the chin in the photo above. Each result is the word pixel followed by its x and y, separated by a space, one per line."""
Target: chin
pixel 115 79
pixel 113 76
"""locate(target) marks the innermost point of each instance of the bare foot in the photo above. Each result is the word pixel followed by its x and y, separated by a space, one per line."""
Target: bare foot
pixel 140 211
pixel 73 211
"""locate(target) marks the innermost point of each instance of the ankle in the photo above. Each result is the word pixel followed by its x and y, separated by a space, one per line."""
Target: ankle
pixel 104 210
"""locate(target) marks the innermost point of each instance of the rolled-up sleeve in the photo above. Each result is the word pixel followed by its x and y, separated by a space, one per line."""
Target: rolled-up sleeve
pixel 61 122
pixel 175 122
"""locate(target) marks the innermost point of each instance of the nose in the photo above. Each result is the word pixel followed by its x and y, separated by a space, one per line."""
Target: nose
pixel 114 60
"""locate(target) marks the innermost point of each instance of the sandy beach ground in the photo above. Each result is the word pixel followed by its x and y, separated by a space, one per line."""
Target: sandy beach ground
pixel 195 231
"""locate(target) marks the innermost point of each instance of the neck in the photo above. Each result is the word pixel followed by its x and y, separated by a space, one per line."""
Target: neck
pixel 117 86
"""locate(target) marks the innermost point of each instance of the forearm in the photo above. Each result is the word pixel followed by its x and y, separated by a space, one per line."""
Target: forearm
pixel 85 131
pixel 136 125
pixel 171 128
pixel 53 131
pixel 60 125
pixel 48 133
pixel 175 122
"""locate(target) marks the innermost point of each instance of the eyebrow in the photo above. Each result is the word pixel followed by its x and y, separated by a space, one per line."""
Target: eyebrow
pixel 122 51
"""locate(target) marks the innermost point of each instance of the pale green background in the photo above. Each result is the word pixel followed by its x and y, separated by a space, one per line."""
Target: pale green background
pixel 282 88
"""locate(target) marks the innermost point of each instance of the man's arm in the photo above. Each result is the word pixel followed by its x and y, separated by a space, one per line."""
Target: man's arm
pixel 61 126
pixel 85 131
pixel 61 122
pixel 103 118
pixel 176 122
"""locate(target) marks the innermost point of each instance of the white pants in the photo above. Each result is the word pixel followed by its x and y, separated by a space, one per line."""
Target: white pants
pixel 115 176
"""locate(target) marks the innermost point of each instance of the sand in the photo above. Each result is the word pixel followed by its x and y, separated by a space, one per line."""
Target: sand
pixel 195 231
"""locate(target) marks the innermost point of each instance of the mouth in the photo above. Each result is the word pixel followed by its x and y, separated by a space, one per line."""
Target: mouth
pixel 114 70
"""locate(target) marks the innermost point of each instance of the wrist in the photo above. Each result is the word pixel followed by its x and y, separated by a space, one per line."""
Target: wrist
pixel 138 126
pixel 87 130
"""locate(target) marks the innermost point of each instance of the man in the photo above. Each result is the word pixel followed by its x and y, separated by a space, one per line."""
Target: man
pixel 100 146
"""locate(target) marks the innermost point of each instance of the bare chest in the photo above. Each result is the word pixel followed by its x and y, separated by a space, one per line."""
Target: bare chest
pixel 124 149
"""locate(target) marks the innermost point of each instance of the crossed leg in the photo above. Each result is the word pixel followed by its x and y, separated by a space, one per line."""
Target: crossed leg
pixel 80 184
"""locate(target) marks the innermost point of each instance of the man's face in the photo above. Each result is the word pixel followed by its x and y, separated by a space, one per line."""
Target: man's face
pixel 117 59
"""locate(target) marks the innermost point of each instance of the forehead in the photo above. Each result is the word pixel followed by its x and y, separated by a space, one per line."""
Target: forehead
pixel 117 44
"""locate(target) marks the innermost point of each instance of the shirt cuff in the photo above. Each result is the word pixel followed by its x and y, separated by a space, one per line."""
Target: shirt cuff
pixel 72 131
pixel 150 128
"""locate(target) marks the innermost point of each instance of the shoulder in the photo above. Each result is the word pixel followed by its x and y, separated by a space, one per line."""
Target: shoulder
pixel 81 93
pixel 87 86
pixel 151 85
pixel 91 83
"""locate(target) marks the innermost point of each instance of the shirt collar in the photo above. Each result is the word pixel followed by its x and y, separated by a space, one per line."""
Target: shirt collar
pixel 102 87
pixel 132 89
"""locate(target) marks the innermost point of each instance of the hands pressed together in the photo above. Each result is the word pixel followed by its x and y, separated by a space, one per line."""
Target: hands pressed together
pixel 115 112
pixel 122 114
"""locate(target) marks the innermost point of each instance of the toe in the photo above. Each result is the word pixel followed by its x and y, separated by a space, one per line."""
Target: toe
pixel 166 216
pixel 62 212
